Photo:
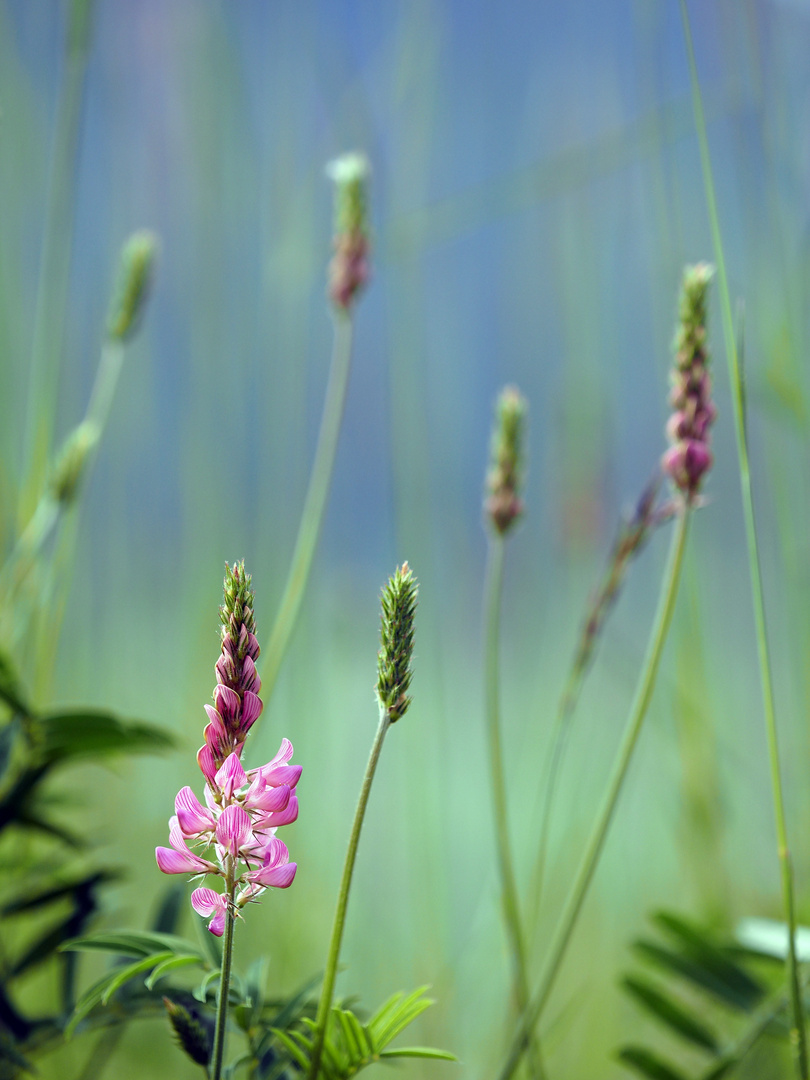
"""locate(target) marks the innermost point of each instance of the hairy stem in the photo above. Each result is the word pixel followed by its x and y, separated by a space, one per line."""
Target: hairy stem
pixel 314 504
pixel 799 1033
pixel 506 870
pixel 593 850
pixel 328 987
pixel 225 977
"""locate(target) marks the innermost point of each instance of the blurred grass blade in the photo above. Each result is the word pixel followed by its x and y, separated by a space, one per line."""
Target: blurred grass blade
pixel 648 1064
pixel 86 733
pixel 669 1012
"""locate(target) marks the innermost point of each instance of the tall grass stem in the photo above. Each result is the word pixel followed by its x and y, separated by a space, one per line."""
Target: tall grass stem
pixel 328 987
pixel 593 850
pixel 799 1033
pixel 315 502
pixel 506 870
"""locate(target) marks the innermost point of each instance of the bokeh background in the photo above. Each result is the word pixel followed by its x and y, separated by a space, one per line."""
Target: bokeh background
pixel 536 192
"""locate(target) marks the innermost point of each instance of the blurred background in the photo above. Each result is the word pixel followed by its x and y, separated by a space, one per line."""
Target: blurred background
pixel 536 193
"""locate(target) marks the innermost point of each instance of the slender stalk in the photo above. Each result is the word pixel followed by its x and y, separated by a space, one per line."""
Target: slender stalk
pixel 506 870
pixel 314 504
pixel 328 987
pixel 799 1034
pixel 225 977
pixel 54 273
pixel 593 850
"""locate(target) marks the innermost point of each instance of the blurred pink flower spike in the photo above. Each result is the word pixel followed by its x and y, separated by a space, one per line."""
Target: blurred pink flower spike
pixel 276 870
pixel 181 860
pixel 208 902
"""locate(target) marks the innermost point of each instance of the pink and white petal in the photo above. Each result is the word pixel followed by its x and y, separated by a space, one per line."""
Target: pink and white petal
pixel 276 853
pixel 268 799
pixel 284 754
pixel 284 774
pixel 205 759
pixel 233 828
pixel 228 703
pixel 192 816
pixel 177 862
pixel 253 649
pixel 251 708
pixel 231 776
pixel 285 817
pixel 275 877
pixel 217 924
pixel 206 901
pixel 250 678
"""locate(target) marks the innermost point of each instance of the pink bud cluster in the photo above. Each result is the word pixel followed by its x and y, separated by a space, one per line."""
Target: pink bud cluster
pixel 242 809
pixel 689 457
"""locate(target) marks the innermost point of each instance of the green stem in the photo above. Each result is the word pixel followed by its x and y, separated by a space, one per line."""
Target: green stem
pixel 593 850
pixel 314 504
pixel 328 987
pixel 225 977
pixel 506 870
pixel 799 1034
pixel 54 273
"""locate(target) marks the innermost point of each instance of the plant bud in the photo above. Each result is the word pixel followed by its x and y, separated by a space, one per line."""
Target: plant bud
pixel 135 272
pixel 396 636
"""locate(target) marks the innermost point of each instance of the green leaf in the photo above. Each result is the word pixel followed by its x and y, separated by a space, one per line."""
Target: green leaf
pixel 693 971
pixel 711 958
pixel 10 690
pixel 648 1064
pixel 133 943
pixel 398 1018
pixel 671 1013
pixel 201 993
pixel 170 909
pixel 131 970
pixel 171 965
pixel 293 1049
pixel 420 1052
pixel 85 733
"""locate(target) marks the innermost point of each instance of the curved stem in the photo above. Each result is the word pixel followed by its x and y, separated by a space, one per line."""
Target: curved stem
pixel 799 1033
pixel 328 987
pixel 225 977
pixel 593 850
pixel 509 893
pixel 314 504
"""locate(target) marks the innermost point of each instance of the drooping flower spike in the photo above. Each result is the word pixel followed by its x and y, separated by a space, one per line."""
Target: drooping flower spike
pixel 242 810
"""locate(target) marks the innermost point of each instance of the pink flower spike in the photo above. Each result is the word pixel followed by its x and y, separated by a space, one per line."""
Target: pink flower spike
pixel 205 759
pixel 208 902
pixel 192 816
pixel 233 828
pixel 231 776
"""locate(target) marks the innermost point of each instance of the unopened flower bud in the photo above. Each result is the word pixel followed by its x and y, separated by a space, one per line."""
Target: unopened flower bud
pixel 689 458
pixel 349 269
pixel 70 464
pixel 135 272
pixel 396 637
pixel 193 1034
pixel 504 504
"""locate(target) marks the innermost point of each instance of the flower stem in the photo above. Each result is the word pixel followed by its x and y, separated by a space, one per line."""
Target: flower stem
pixel 327 989
pixel 799 1033
pixel 509 892
pixel 315 502
pixel 225 977
pixel 593 850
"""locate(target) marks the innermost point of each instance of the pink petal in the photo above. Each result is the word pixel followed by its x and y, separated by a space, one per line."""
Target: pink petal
pixel 285 817
pixel 215 719
pixel 267 799
pixel 251 709
pixel 207 901
pixel 228 703
pixel 205 759
pixel 231 776
pixel 284 774
pixel 276 853
pixel 217 924
pixel 253 649
pixel 192 816
pixel 278 877
pixel 282 757
pixel 233 828
pixel 176 862
pixel 250 679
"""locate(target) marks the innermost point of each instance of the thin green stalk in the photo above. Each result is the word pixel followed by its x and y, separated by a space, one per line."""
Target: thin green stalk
pixel 509 892
pixel 328 987
pixel 314 504
pixel 54 273
pixel 593 850
pixel 225 977
pixel 799 1034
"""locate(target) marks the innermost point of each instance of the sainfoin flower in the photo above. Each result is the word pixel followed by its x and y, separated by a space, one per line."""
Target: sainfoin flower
pixel 232 833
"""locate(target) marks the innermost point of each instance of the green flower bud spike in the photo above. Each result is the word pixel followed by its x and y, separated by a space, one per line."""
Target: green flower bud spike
pixel 70 464
pixel 396 635
pixel 194 1037
pixel 505 478
pixel 135 273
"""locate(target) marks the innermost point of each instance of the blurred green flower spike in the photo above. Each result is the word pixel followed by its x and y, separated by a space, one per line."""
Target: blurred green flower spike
pixel 396 635
pixel 70 464
pixel 349 269
pixel 135 272
pixel 504 504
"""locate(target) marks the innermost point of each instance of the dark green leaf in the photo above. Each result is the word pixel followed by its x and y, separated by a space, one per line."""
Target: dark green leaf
pixel 47 896
pixel 671 1013
pixel 171 964
pixel 693 971
pixel 133 943
pixel 85 733
pixel 704 952
pixel 170 909
pixel 10 690
pixel 648 1064
pixel 420 1052
pixel 44 947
